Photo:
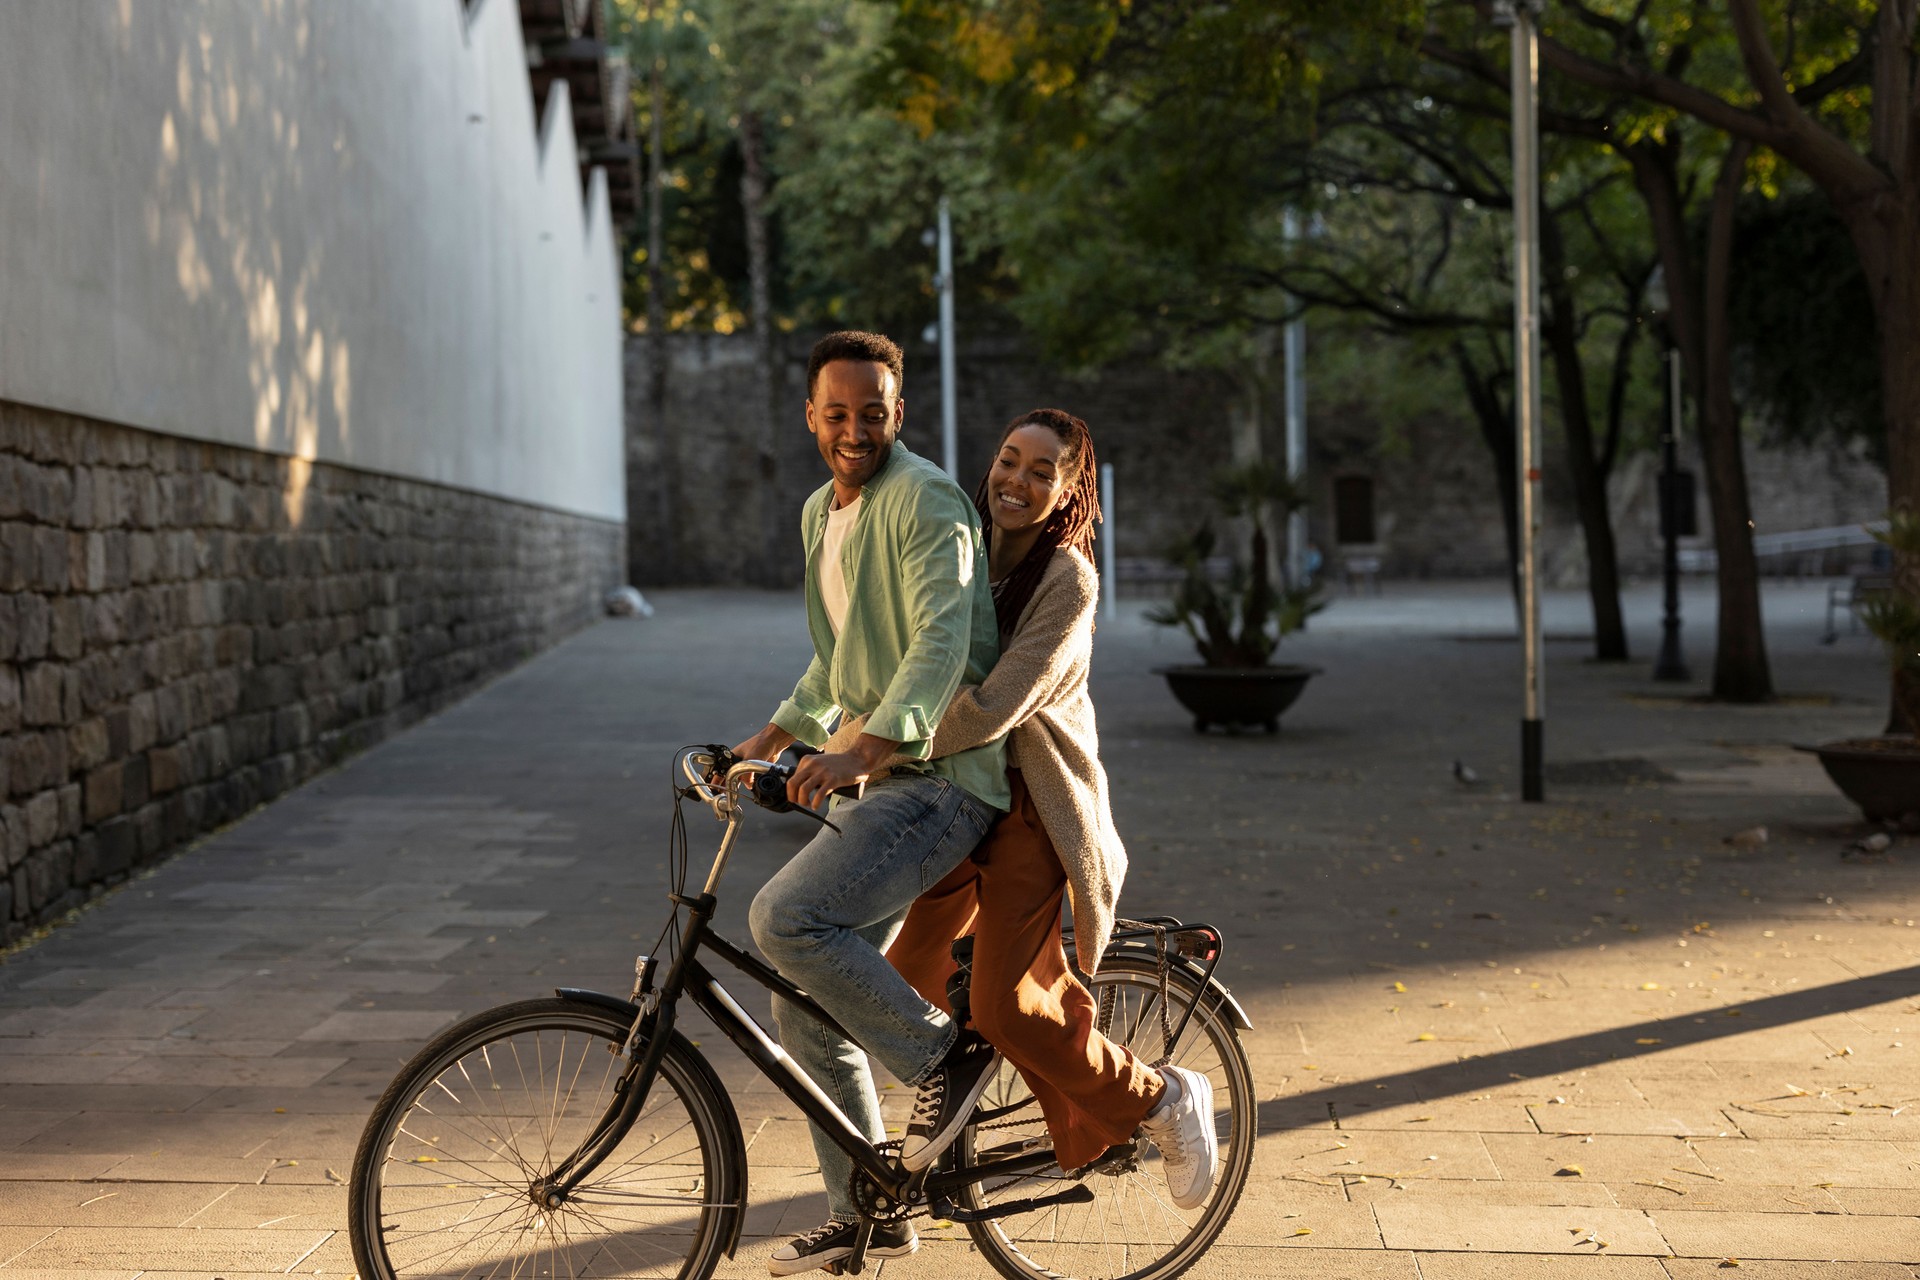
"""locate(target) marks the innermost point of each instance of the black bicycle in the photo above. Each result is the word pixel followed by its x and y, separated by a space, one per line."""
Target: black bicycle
pixel 583 1135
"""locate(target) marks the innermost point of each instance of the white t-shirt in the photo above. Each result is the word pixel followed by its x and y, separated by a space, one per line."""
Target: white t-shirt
pixel 833 583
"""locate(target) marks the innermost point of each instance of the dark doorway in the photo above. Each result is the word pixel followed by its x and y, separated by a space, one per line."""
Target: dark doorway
pixel 1353 510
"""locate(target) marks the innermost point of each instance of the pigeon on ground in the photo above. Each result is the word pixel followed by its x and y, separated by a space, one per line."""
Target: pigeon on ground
pixel 1878 842
pixel 1751 838
pixel 1463 774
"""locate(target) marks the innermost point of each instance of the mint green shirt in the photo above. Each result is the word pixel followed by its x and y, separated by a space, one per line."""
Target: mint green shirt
pixel 920 622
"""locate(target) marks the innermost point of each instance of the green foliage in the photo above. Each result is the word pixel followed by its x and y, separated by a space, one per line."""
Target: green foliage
pixel 853 182
pixel 1238 623
pixel 1803 323
pixel 1894 618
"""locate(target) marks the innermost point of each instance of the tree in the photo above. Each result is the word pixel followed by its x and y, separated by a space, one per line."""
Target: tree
pixel 1840 106
pixel 1146 174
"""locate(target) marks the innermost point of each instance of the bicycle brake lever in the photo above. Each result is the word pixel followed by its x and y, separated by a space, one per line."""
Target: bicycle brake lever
pixel 818 817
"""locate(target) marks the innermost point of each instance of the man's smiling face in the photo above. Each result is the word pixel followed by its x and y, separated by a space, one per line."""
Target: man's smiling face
pixel 854 412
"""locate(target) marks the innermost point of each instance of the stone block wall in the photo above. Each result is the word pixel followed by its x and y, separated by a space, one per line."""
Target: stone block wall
pixel 189 629
pixel 711 499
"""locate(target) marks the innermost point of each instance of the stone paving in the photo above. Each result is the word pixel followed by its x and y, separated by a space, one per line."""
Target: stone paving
pixel 1583 1039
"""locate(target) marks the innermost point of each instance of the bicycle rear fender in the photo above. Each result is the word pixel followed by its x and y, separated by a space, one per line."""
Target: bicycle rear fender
pixel 1219 991
pixel 734 1163
pixel 1216 989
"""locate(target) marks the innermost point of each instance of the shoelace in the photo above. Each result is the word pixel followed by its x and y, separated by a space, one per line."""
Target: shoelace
pixel 1171 1140
pixel 818 1234
pixel 926 1103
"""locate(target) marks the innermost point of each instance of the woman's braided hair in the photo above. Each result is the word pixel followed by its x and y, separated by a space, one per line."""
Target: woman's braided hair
pixel 1069 525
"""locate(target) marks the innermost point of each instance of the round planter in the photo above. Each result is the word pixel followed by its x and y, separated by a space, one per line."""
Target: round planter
pixel 1234 696
pixel 1881 775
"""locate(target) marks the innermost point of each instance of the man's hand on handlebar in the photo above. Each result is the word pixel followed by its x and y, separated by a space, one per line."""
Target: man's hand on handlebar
pixel 818 776
pixel 764 745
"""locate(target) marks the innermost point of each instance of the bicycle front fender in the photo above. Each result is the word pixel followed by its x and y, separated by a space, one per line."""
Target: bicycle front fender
pixel 733 1160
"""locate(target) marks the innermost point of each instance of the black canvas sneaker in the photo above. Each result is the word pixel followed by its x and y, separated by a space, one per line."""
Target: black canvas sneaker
pixel 946 1100
pixel 829 1242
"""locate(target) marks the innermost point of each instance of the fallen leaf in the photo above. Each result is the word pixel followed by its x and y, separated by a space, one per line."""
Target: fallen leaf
pixel 1303 1231
pixel 1649 986
pixel 1570 1171
pixel 1649 1040
pixel 417 1160
pixel 1424 1035
pixel 1400 987
pixel 279 1111
pixel 1729 1262
pixel 334 1177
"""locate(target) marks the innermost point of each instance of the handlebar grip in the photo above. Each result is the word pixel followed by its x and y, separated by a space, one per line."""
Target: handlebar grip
pixel 770 788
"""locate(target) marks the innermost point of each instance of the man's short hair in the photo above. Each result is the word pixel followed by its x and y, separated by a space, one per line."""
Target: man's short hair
pixel 855 344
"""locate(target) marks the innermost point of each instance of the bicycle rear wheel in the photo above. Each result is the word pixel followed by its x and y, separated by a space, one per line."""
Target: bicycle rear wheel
pixel 446 1182
pixel 1132 1230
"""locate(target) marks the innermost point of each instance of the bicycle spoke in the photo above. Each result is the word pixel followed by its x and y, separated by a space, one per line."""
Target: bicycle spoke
pixel 1130 1230
pixel 507 1105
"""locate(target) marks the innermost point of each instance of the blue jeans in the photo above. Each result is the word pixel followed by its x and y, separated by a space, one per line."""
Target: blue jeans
pixel 824 920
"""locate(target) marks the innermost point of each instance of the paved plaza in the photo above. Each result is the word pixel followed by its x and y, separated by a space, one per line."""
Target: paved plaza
pixel 1584 1039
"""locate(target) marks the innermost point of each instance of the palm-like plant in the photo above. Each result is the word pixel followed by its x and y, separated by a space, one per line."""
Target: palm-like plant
pixel 1241 622
pixel 1894 618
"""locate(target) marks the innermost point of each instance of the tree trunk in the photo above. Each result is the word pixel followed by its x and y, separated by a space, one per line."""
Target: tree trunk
pixel 1740 669
pixel 775 557
pixel 1886 236
pixel 1496 429
pixel 666 558
pixel 1562 335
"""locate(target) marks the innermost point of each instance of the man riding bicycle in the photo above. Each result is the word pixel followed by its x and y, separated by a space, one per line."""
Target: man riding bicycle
pixel 900 616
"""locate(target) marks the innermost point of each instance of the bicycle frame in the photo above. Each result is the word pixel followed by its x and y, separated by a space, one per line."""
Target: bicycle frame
pixel 692 980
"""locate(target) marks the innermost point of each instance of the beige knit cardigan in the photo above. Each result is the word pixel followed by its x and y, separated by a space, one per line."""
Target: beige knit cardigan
pixel 1036 695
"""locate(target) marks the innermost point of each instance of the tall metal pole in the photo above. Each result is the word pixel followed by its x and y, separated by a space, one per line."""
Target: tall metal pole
pixel 1296 354
pixel 1526 373
pixel 949 411
pixel 1110 584
pixel 1672 662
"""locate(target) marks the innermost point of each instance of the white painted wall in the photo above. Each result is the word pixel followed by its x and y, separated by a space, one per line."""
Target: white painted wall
pixel 325 228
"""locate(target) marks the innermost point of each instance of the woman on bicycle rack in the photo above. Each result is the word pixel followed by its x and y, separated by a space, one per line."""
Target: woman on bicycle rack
pixel 1038 503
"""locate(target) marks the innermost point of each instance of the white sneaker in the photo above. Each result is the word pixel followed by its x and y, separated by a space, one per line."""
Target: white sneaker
pixel 1182 1127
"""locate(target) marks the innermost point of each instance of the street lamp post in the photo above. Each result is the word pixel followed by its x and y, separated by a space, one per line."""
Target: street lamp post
pixel 1296 387
pixel 949 413
pixel 1519 17
pixel 939 238
pixel 1672 662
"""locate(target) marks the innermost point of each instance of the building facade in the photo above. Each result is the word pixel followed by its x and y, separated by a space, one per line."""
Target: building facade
pixel 310 395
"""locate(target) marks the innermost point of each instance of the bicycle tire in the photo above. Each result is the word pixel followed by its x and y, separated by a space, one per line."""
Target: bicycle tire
pixel 493 1103
pixel 1132 1231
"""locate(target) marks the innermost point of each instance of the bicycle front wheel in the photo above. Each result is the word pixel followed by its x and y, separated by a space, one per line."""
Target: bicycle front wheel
pixel 1132 1230
pixel 449 1180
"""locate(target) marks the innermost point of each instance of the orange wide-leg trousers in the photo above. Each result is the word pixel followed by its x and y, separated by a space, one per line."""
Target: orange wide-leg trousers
pixel 1024 1000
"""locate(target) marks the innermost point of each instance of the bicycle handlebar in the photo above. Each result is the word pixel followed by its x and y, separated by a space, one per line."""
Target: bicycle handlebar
pixel 766 781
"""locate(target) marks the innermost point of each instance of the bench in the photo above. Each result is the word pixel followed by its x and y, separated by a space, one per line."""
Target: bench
pixel 1159 576
pixel 1851 596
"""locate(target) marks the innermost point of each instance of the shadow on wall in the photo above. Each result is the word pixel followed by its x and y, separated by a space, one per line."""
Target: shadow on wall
pixel 218 228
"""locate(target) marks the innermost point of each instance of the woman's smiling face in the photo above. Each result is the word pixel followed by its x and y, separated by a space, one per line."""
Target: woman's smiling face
pixel 1028 480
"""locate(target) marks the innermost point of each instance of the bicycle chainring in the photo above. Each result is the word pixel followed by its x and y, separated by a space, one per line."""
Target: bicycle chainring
pixel 876 1204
